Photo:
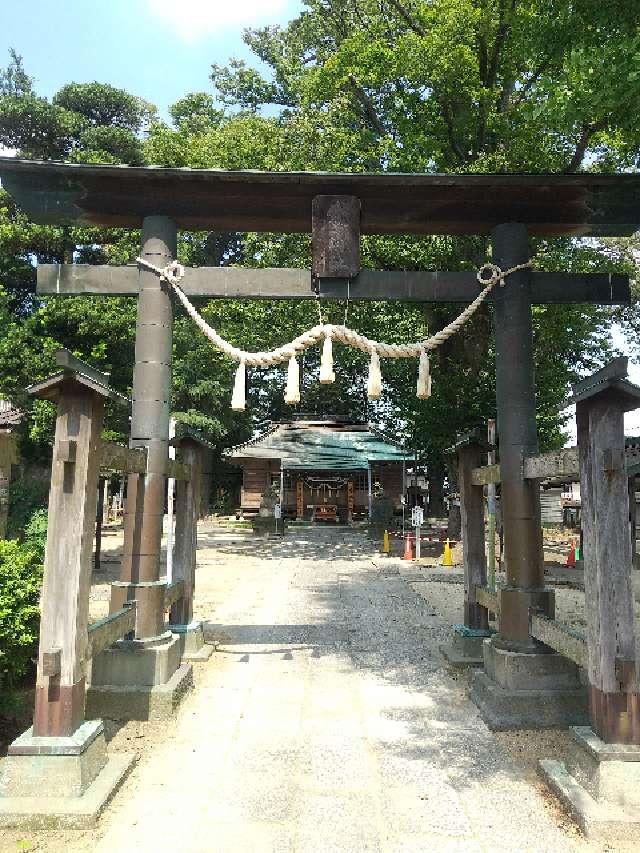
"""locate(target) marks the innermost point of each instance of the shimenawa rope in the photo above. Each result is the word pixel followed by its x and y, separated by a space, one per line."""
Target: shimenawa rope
pixel 174 272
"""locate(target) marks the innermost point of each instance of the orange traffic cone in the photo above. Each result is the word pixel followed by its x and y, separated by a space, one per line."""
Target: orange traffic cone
pixel 408 550
pixel 571 556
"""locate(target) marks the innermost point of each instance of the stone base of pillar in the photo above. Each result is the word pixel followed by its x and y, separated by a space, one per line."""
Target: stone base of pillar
pixel 193 647
pixel 464 649
pixel 139 680
pixel 599 784
pixel 517 690
pixel 59 782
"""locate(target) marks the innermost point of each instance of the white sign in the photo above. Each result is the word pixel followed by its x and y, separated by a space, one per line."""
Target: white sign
pixel 277 511
pixel 417 516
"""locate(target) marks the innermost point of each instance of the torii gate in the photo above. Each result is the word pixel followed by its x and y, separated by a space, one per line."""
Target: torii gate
pixel 336 208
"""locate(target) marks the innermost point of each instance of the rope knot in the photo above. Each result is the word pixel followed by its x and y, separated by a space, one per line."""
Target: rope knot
pixel 490 274
pixel 173 273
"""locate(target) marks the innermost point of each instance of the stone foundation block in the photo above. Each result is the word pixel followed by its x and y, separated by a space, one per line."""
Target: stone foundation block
pixel 193 647
pixel 140 702
pixel 48 782
pixel 143 663
pixel 465 648
pixel 599 784
pixel 54 766
pixel 518 690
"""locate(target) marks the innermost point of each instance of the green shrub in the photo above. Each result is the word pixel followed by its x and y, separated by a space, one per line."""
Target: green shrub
pixel 26 495
pixel 20 580
pixel 35 533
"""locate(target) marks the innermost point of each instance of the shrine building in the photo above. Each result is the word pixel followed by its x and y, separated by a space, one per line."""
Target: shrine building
pixel 329 469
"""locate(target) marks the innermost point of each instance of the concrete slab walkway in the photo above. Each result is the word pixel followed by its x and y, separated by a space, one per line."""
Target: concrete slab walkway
pixel 326 722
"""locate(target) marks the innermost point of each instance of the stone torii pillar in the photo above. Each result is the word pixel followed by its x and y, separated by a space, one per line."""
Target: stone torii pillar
pixel 144 677
pixel 523 684
pixel 144 513
pixel 517 431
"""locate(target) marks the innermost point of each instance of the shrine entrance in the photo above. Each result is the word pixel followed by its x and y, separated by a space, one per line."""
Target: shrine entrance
pixel 519 672
pixel 325 497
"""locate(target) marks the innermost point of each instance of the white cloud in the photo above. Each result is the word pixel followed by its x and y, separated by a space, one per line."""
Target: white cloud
pixel 193 19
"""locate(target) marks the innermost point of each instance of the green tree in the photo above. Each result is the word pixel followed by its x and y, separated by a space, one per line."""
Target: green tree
pixel 447 85
pixel 92 122
pixel 14 80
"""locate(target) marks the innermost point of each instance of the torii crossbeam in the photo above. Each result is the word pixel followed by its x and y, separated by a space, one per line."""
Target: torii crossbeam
pixel 336 208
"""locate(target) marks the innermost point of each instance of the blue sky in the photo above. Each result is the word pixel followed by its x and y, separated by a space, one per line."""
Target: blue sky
pixel 157 49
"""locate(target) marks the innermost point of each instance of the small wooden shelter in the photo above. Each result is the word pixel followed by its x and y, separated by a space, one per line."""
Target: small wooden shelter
pixel 320 469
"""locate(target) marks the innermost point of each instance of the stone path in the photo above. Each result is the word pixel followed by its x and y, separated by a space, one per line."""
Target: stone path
pixel 325 723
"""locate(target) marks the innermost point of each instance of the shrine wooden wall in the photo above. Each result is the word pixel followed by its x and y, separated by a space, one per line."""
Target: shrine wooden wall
pixel 259 474
pixel 256 480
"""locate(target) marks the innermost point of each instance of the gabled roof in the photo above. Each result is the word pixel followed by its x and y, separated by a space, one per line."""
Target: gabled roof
pixel 319 445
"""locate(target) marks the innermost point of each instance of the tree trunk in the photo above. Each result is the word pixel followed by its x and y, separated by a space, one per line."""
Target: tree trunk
pixel 454 526
pixel 436 470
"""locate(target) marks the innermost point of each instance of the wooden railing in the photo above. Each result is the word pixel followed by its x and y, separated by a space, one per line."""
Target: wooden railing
pixel 567 642
pixel 173 594
pixel 105 632
pixel 125 460
pixel 133 460
pixel 545 466
pixel 487 599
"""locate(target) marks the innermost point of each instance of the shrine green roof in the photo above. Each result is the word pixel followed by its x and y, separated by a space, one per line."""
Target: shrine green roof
pixel 319 446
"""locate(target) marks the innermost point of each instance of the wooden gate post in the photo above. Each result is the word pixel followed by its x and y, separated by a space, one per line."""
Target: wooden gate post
pixel 299 499
pixel 191 633
pixel 614 699
pixel 473 544
pixel 8 457
pixel 465 649
pixel 58 773
pixel 187 511
pixel 60 683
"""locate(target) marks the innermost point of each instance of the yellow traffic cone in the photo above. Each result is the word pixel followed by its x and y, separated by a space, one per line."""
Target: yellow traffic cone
pixel 446 555
pixel 386 545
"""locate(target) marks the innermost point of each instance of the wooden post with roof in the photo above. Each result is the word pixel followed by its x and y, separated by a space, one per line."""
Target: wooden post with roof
pixel 50 768
pixel 599 780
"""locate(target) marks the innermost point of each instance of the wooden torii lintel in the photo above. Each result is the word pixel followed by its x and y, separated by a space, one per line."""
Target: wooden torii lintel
pixel 399 285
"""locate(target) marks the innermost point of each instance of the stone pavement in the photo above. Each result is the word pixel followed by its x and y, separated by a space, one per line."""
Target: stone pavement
pixel 325 723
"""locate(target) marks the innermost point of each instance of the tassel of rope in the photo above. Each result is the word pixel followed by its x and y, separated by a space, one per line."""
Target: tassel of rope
pixel 239 398
pixel 327 376
pixel 292 391
pixel 374 383
pixel 423 389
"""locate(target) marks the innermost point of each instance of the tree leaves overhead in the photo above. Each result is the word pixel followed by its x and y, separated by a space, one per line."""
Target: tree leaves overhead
pixel 103 105
pixel 86 122
pixel 487 84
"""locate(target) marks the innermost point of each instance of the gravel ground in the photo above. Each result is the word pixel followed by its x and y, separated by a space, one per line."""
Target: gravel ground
pixel 325 722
